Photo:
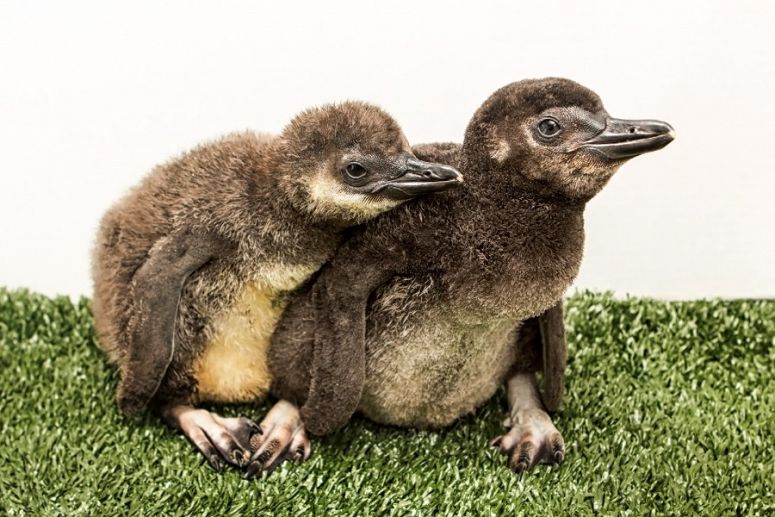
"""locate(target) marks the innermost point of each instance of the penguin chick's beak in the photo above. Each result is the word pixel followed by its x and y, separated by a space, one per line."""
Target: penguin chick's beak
pixel 419 177
pixel 623 139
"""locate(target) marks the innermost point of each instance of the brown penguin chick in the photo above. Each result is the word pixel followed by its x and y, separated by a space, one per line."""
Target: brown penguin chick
pixel 192 268
pixel 419 316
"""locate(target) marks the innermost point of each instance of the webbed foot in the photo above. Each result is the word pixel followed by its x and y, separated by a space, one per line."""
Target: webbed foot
pixel 532 441
pixel 220 440
pixel 283 438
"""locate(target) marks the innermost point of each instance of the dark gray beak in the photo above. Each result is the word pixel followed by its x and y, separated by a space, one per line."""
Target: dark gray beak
pixel 419 177
pixel 622 139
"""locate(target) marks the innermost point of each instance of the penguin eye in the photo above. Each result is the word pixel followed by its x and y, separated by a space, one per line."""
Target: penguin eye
pixel 355 170
pixel 549 127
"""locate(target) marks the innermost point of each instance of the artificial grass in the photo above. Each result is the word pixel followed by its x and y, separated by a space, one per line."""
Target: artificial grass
pixel 669 410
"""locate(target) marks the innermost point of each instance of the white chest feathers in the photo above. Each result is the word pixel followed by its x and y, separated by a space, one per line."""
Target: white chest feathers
pixel 233 366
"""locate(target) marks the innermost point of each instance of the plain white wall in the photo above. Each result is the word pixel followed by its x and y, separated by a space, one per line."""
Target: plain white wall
pixel 93 94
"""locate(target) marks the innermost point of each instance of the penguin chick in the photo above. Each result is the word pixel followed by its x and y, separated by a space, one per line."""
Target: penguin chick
pixel 192 268
pixel 416 320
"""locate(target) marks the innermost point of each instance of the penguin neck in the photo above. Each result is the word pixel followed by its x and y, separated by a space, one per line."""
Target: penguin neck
pixel 489 184
pixel 555 221
pixel 518 220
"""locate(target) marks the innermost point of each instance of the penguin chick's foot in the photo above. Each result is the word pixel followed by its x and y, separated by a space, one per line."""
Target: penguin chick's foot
pixel 532 442
pixel 532 439
pixel 220 440
pixel 283 438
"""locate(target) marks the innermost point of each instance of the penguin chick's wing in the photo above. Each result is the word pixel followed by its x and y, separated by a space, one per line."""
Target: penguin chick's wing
pixel 332 315
pixel 555 355
pixel 156 289
pixel 541 346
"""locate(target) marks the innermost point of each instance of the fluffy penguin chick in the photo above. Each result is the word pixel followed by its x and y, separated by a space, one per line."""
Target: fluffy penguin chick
pixel 416 320
pixel 192 268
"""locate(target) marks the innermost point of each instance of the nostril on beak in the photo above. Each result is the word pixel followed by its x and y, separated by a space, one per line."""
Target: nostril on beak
pixel 427 173
pixel 634 129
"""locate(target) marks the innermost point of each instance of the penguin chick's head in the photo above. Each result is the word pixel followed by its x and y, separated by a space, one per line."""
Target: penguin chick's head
pixel 553 136
pixel 349 162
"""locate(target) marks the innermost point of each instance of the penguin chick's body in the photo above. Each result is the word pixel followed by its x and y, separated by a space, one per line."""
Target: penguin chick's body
pixel 193 267
pixel 441 340
pixel 442 288
pixel 440 331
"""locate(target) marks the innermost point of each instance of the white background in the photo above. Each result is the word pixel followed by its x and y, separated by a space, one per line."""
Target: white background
pixel 93 94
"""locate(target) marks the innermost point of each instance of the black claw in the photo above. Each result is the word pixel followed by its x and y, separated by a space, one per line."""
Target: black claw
pixel 238 456
pixel 523 460
pixel 215 462
pixel 558 450
pixel 519 466
pixel 252 471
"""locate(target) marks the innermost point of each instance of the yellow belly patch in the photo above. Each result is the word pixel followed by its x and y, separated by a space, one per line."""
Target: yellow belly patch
pixel 233 367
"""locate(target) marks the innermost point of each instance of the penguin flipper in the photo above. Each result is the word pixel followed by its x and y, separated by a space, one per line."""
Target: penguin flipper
pixel 555 355
pixel 156 289
pixel 541 347
pixel 339 298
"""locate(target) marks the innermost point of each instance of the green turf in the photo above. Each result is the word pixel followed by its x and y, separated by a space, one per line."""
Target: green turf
pixel 669 409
